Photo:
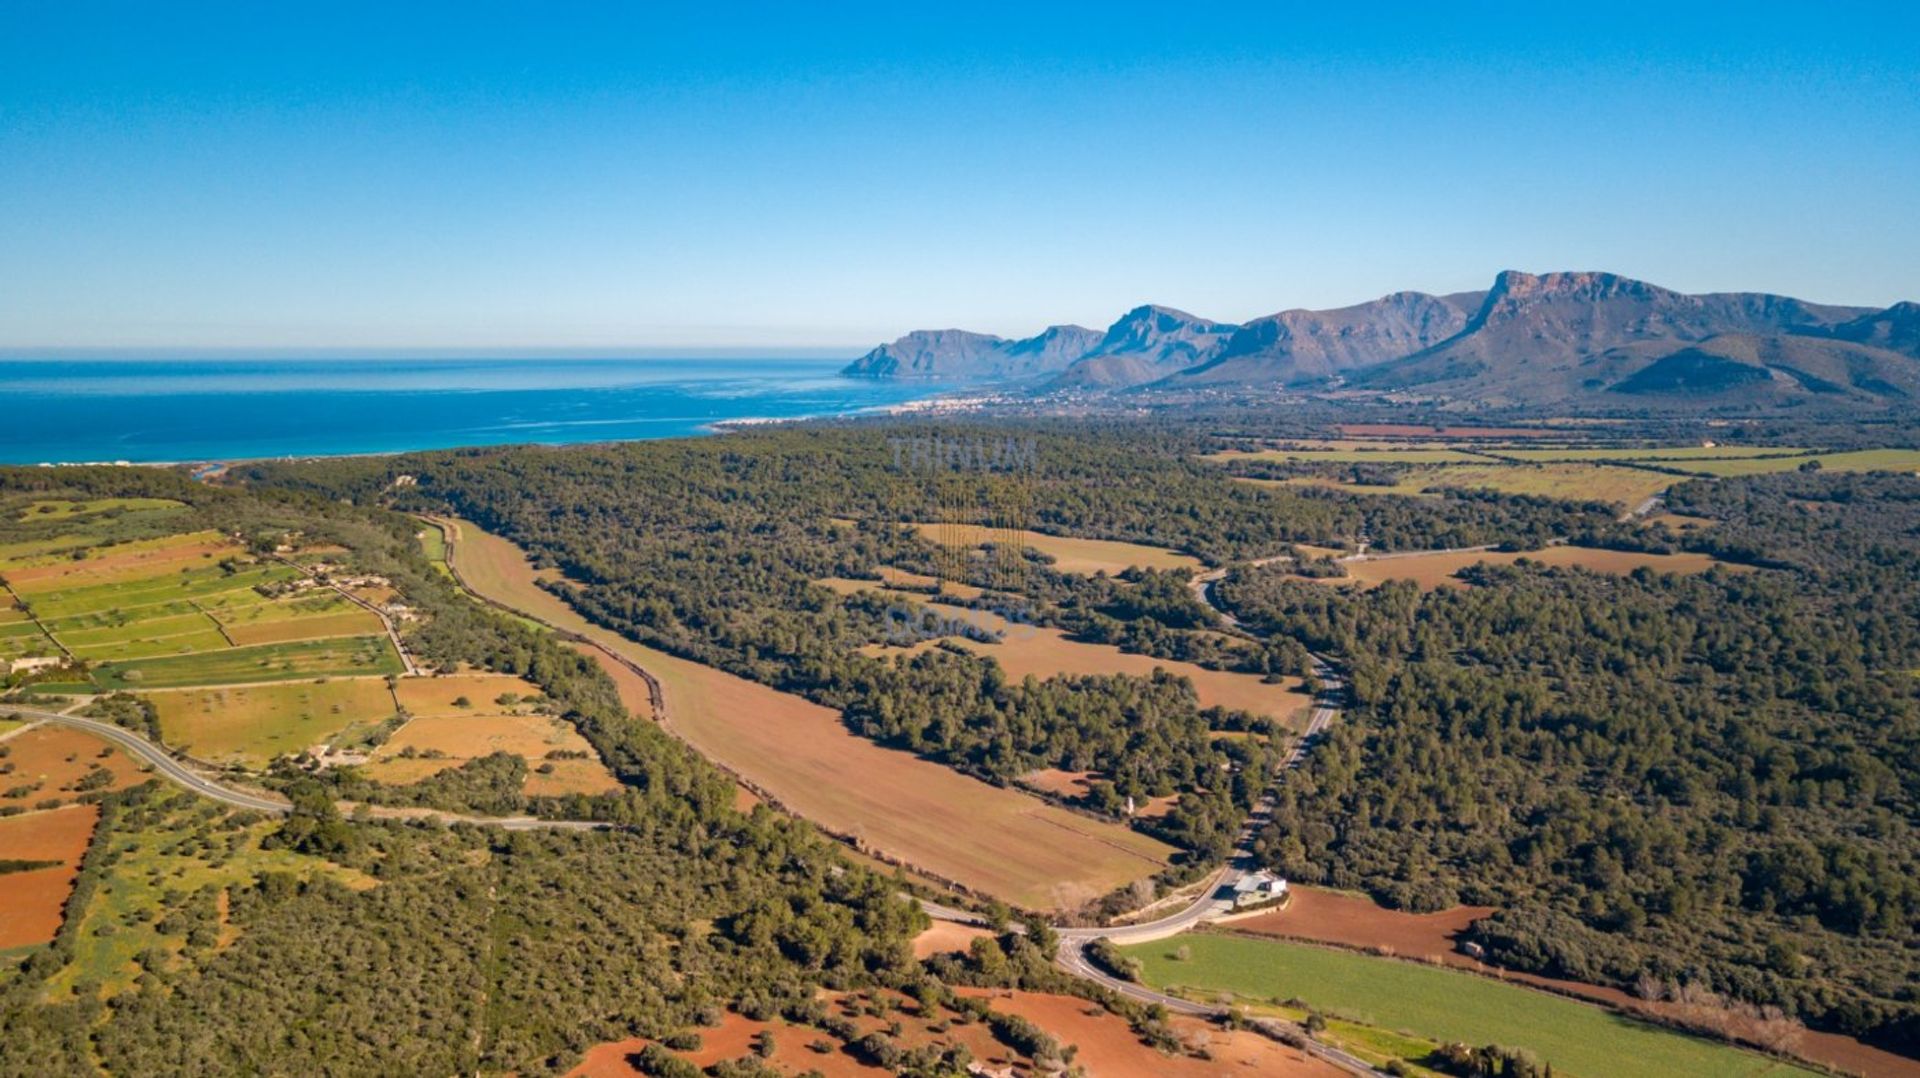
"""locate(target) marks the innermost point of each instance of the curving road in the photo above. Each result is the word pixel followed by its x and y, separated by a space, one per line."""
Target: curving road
pixel 1216 897
pixel 173 770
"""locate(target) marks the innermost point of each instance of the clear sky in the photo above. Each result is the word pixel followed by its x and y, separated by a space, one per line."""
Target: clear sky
pixel 556 176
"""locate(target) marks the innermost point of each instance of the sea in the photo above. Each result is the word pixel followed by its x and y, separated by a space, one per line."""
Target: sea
pixel 153 411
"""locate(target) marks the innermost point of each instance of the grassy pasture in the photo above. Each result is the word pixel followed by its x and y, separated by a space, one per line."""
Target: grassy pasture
pixel 1577 1038
pixel 56 509
pixel 23 639
pixel 1012 845
pixel 1653 454
pixel 333 657
pixel 1863 460
pixel 1349 456
pixel 1625 487
pixel 253 724
pixel 349 622
pixel 434 697
pixel 27 552
pixel 1431 571
pixel 1069 555
pixel 31 902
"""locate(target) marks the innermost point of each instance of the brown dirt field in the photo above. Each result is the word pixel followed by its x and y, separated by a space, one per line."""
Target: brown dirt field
pixel 112 568
pixel 1045 652
pixel 1110 1049
pixel 433 697
pixel 32 903
pixel 1431 571
pixel 255 723
pixel 1355 921
pixel 1070 555
pixel 589 777
pixel 945 937
pixel 57 757
pixel 732 1039
pixel 345 623
pixel 1013 846
pixel 1059 783
pixel 465 737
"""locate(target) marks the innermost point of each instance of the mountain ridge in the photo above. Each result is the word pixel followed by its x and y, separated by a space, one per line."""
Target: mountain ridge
pixel 1558 338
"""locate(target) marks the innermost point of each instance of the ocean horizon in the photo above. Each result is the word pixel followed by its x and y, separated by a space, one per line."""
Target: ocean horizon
pixel 149 411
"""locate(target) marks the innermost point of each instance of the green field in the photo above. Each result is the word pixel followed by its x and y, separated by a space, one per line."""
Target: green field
pixel 338 657
pixel 1654 454
pixel 1860 460
pixel 1578 1039
pixel 1625 487
pixel 20 639
pixel 239 611
pixel 1351 456
pixel 64 510
pixel 434 543
pixel 28 550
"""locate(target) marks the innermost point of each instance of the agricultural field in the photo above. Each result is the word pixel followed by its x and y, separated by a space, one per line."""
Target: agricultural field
pixel 59 509
pixel 1579 1039
pixel 253 724
pixel 355 656
pixel 1069 555
pixel 1863 460
pixel 1034 651
pixel 1655 454
pixel 179 852
pixel 32 900
pixel 54 765
pixel 1350 455
pixel 192 609
pixel 428 745
pixel 1106 1046
pixel 1437 570
pixel 458 695
pixel 1014 846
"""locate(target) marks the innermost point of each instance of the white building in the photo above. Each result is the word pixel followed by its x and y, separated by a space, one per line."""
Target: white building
pixel 1256 888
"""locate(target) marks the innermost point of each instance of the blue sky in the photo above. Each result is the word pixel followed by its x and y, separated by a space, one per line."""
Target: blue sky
pixel 283 177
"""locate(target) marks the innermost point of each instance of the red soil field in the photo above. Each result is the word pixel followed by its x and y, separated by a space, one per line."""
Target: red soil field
pixel 1110 1049
pixel 31 903
pixel 56 758
pixel 945 937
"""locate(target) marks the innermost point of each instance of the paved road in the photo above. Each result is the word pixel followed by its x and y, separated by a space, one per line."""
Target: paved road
pixel 1216 897
pixel 173 770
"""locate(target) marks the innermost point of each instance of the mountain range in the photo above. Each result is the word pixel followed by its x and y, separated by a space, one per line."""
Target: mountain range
pixel 1577 338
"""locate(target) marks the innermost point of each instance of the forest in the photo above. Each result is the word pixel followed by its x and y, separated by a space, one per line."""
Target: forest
pixel 1660 779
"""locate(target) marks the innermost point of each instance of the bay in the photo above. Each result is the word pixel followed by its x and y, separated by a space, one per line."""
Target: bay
pixel 147 411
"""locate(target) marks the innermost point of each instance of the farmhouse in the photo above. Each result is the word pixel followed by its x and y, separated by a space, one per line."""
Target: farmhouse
pixel 1256 888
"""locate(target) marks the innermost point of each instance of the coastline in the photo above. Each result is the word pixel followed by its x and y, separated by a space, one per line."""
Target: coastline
pixel 95 420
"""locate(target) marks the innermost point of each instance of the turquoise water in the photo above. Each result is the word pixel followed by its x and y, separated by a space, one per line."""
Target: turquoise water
pixel 146 411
